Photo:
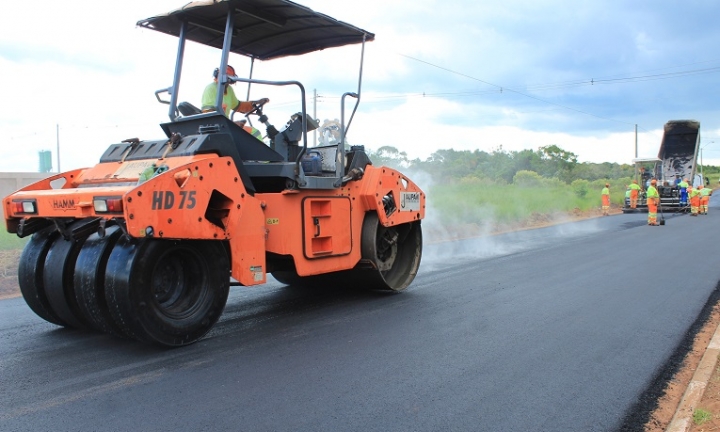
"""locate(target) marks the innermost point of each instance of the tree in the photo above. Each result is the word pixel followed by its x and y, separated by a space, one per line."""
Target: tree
pixel 559 162
pixel 389 156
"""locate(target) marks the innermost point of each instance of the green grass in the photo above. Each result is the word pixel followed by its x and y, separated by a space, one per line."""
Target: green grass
pixel 11 241
pixel 700 416
pixel 475 202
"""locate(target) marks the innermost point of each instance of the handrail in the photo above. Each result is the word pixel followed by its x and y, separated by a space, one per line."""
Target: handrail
pixel 157 95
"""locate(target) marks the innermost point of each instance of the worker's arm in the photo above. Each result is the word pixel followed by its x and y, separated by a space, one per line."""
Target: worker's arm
pixel 247 106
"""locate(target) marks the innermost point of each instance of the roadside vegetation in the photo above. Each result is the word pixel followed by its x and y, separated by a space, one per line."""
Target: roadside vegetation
pixel 477 187
pixel 10 241
pixel 10 250
pixel 701 416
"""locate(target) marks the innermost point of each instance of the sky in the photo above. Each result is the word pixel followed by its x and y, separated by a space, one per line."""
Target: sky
pixel 462 75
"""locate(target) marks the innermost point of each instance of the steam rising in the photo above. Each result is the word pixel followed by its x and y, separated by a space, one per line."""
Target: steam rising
pixel 477 234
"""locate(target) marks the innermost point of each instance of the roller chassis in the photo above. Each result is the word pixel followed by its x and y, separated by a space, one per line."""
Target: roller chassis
pixel 152 257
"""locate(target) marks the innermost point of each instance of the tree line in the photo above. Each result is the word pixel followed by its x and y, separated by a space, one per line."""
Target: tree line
pixel 500 166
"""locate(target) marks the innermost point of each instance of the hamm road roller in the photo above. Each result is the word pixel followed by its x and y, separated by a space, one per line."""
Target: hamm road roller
pixel 146 244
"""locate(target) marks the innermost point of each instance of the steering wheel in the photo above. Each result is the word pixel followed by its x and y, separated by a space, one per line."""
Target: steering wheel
pixel 257 108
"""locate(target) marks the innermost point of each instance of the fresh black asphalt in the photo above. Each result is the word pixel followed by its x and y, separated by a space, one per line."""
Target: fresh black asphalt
pixel 572 327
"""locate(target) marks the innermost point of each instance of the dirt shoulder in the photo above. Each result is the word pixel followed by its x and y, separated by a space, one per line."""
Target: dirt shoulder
pixel 707 412
pixel 9 261
pixel 675 389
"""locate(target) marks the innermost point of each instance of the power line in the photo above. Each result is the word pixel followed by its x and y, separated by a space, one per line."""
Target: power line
pixel 502 88
pixel 574 84
pixel 599 81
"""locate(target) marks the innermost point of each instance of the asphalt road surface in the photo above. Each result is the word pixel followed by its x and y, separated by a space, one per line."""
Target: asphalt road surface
pixel 573 327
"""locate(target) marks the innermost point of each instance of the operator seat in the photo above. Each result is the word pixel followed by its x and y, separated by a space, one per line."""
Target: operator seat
pixel 188 109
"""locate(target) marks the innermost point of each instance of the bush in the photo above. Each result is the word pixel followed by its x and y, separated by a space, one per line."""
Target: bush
pixel 471 180
pixel 580 187
pixel 526 178
pixel 554 183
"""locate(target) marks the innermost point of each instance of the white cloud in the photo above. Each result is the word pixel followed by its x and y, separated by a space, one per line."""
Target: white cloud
pixel 89 70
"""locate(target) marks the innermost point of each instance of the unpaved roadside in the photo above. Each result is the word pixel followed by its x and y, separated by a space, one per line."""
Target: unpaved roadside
pixel 668 404
pixel 9 261
pixel 710 404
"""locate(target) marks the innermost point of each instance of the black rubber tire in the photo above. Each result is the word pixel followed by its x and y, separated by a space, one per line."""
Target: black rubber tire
pixel 30 275
pixel 386 265
pixel 58 281
pixel 167 292
pixel 89 281
pixel 393 253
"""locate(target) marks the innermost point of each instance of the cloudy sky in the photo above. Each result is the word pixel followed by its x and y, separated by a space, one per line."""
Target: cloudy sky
pixel 470 74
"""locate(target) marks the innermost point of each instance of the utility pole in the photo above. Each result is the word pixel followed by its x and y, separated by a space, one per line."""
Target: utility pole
pixel 315 115
pixel 636 147
pixel 636 153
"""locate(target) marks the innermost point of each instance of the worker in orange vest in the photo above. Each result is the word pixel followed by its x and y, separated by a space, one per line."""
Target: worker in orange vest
pixel 605 194
pixel 634 190
pixel 695 200
pixel 705 193
pixel 250 129
pixel 653 199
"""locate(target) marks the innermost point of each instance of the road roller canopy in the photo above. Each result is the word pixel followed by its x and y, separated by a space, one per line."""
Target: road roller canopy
pixel 261 29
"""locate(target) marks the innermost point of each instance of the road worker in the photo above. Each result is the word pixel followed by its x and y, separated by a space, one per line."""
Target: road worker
pixel 230 102
pixel 627 196
pixel 634 191
pixel 653 200
pixel 250 129
pixel 683 186
pixel 695 194
pixel 705 193
pixel 605 195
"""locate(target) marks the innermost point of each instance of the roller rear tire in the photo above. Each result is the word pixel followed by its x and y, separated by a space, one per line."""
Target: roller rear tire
pixel 89 281
pixel 58 281
pixel 30 275
pixel 167 292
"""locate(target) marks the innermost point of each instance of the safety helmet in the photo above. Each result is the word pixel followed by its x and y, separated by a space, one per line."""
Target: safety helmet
pixel 229 71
